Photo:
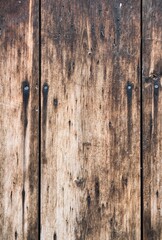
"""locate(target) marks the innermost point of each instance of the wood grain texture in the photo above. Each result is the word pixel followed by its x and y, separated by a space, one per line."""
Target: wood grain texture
pixel 18 119
pixel 152 118
pixel 90 120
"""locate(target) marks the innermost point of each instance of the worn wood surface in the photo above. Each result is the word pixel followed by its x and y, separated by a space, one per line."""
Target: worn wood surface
pixel 152 118
pixel 90 178
pixel 90 120
pixel 18 119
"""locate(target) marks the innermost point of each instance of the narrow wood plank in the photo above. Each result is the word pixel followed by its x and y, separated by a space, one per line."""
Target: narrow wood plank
pixel 90 120
pixel 18 119
pixel 152 118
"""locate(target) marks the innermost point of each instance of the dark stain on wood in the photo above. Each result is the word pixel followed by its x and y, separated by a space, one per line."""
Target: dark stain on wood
pixel 151 125
pixel 66 34
pixel 55 102
pixel 26 92
pixel 89 223
pixel 97 190
pixel 32 230
pixel 93 37
pixel 113 225
pixel 124 181
pixel 23 197
pixel 102 32
pixel 88 200
pixel 117 234
pixel 70 35
pixel 151 234
pixel 80 234
pixel 129 89
pixel 16 235
pixel 45 99
pixel 80 182
pixel 116 15
pixel 11 197
pixel 100 9
pixel 44 120
pixel 13 12
pixel 114 192
pixel 156 91
pixel 150 141
pixel 86 145
pixel 54 236
pixel 23 210
pixel 116 84
pixel 64 31
pixel 31 172
pixel 156 98
pixel 33 165
pixel 69 123
pixel 70 66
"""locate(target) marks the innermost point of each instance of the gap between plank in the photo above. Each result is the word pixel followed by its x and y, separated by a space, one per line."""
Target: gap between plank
pixel 141 115
pixel 39 164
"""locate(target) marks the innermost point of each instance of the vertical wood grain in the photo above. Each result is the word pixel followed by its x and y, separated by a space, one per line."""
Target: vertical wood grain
pixel 90 120
pixel 19 119
pixel 152 118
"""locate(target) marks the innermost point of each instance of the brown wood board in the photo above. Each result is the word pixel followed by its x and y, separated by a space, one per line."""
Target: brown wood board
pixel 152 118
pixel 90 178
pixel 80 122
pixel 19 119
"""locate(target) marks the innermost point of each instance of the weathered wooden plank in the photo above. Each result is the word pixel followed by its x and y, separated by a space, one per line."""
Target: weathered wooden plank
pixel 152 118
pixel 90 120
pixel 19 119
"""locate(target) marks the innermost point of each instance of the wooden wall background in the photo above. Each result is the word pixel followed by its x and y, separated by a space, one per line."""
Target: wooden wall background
pixel 81 120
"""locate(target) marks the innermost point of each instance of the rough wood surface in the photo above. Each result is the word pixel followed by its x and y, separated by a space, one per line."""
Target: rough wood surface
pixel 18 119
pixel 152 118
pixel 90 183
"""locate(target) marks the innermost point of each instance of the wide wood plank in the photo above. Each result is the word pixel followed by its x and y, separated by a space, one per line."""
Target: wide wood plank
pixel 90 178
pixel 152 119
pixel 19 119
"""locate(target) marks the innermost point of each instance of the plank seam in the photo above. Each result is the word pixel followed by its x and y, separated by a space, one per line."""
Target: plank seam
pixel 39 191
pixel 141 115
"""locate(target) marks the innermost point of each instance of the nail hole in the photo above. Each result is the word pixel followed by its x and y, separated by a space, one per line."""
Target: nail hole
pixel 55 102
pixel 26 88
pixel 45 88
